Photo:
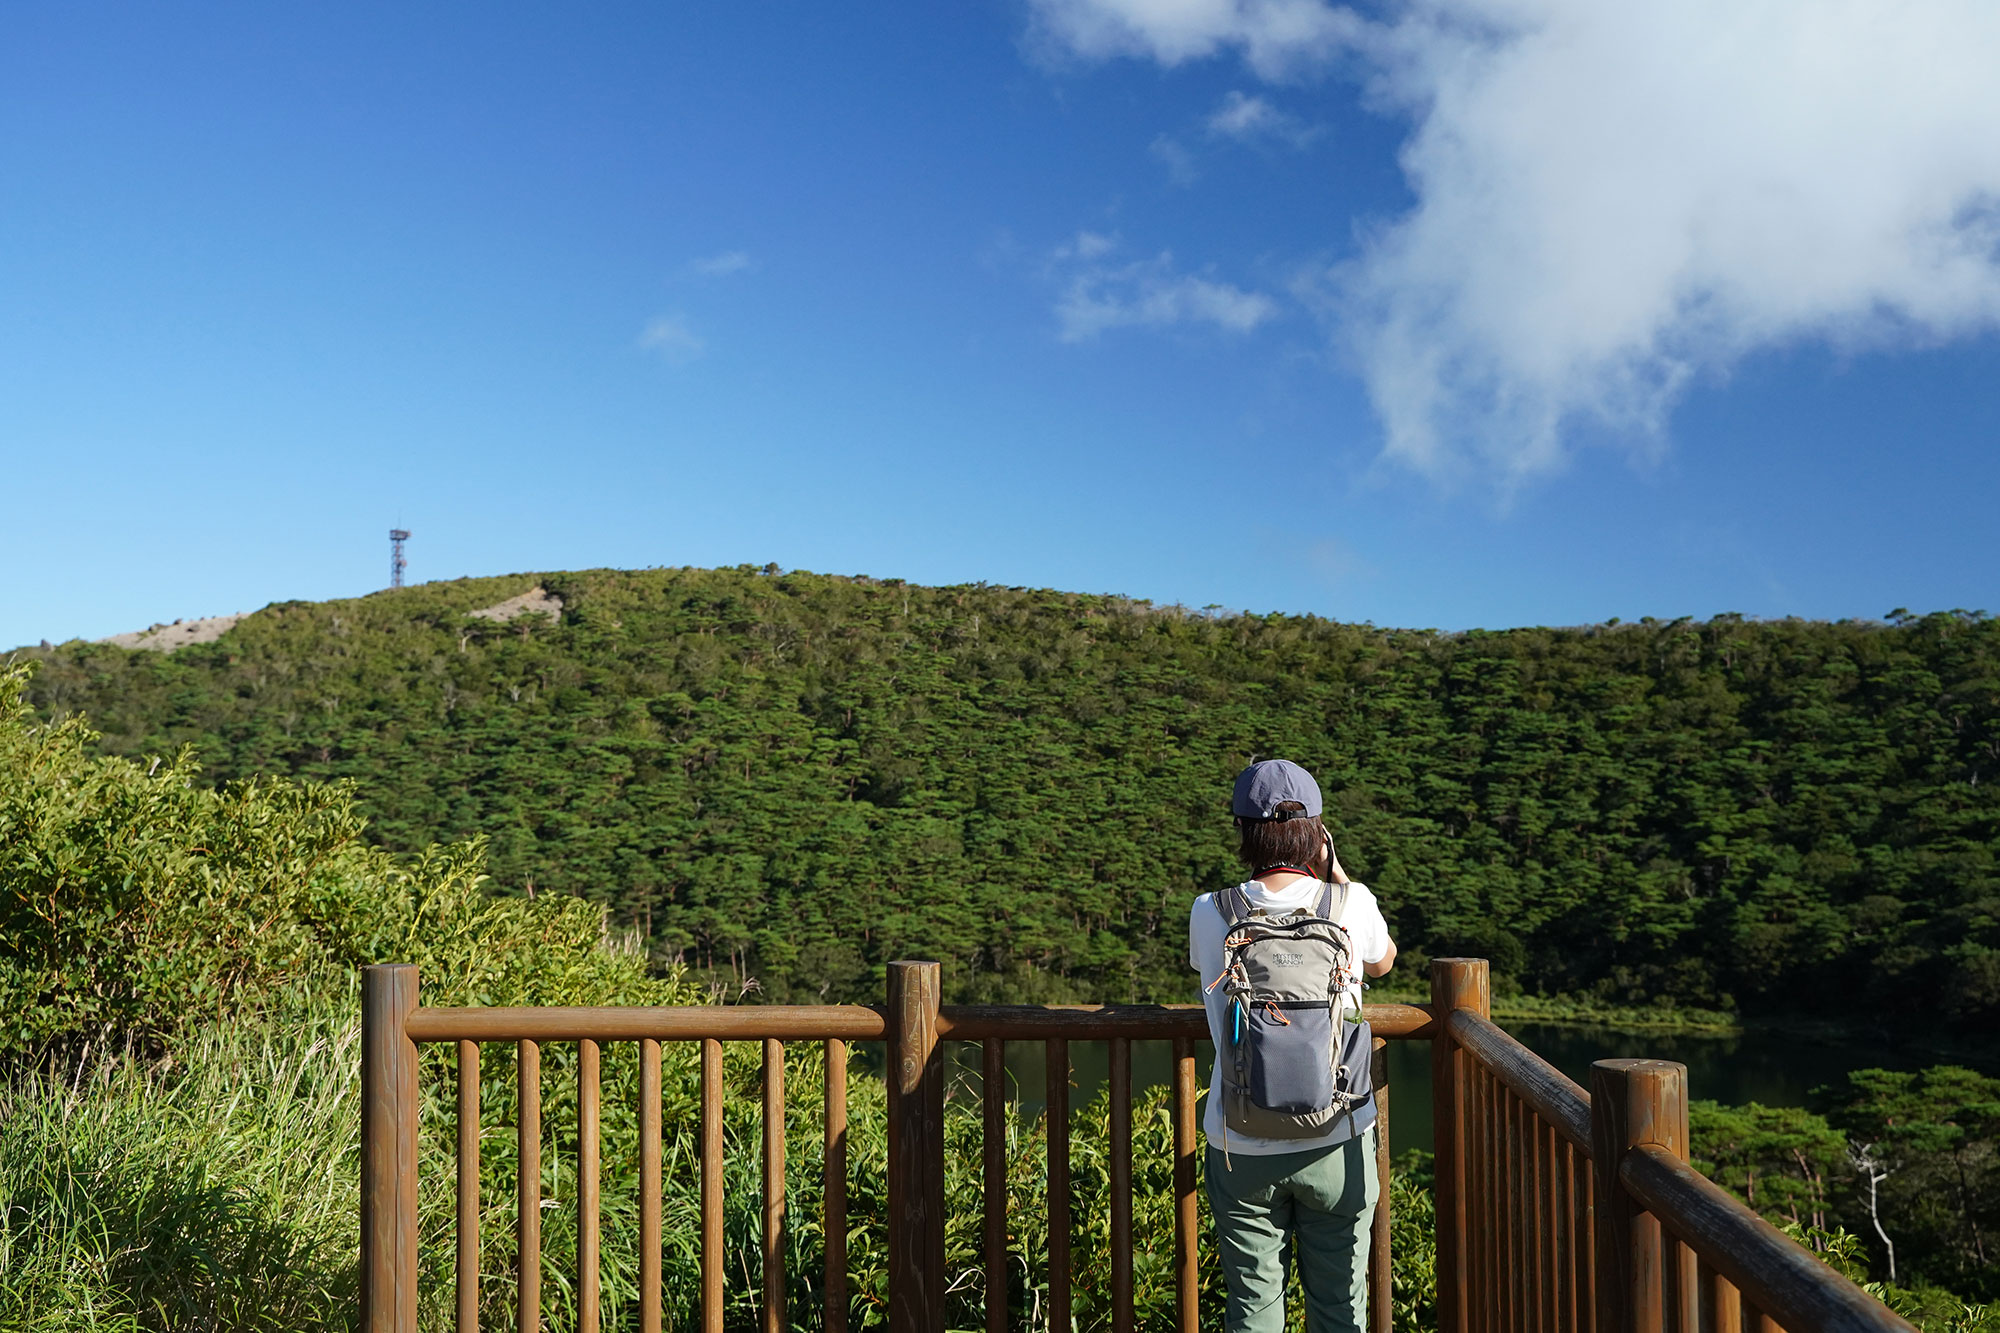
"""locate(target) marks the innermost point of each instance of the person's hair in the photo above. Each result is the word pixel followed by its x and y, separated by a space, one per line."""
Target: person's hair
pixel 1292 839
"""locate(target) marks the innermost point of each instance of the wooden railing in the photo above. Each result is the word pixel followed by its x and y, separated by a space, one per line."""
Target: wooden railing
pixel 1565 1210
pixel 1551 1215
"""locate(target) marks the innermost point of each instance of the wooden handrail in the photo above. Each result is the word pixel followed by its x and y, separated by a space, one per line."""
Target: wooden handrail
pixel 1546 1089
pixel 1783 1277
pixel 1135 1022
pixel 745 1022
pixel 847 1022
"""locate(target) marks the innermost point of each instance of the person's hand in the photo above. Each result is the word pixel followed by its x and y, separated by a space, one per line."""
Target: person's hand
pixel 1333 868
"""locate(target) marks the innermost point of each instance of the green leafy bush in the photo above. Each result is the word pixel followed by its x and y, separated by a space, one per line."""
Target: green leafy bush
pixel 134 901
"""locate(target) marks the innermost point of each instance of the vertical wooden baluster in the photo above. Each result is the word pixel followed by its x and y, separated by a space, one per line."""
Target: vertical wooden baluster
pixel 834 1186
pixel 1530 1239
pixel 1753 1320
pixel 1524 1223
pixel 993 1179
pixel 1523 1174
pixel 1487 1311
pixel 1546 1166
pixel 1056 1061
pixel 1472 1192
pixel 468 1187
pixel 1671 1309
pixel 1381 1304
pixel 1690 1289
pixel 1586 1236
pixel 1497 1173
pixel 1555 1221
pixel 774 1186
pixel 588 1085
pixel 1456 983
pixel 1475 1173
pixel 1186 1217
pixel 1478 1297
pixel 1496 1245
pixel 1566 1307
pixel 1721 1308
pixel 1555 1153
pixel 1679 1314
pixel 1121 1185
pixel 1632 1102
pixel 529 1077
pixel 712 1257
pixel 1533 1237
pixel 1511 1219
pixel 649 1186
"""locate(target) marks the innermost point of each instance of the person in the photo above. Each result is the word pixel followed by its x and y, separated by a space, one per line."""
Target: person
pixel 1268 1193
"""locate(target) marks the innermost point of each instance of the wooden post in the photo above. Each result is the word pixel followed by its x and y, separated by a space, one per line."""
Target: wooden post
pixel 1121 1185
pixel 528 1187
pixel 833 1177
pixel 1380 1286
pixel 1055 1117
pixel 589 1114
pixel 1456 983
pixel 712 1257
pixel 916 1152
pixel 388 1150
pixel 468 1187
pixel 993 1180
pixel 649 1186
pixel 1187 1137
pixel 774 1187
pixel 1632 1102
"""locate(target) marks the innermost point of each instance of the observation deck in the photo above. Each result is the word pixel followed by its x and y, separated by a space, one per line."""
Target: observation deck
pixel 1557 1209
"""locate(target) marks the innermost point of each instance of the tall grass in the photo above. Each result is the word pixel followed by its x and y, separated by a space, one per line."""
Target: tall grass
pixel 216 1190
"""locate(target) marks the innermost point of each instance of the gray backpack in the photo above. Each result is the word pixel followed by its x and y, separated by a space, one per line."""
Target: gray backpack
pixel 1295 1055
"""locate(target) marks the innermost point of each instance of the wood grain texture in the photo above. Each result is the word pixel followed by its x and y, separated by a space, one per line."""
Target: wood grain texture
pixel 588 1118
pixel 467 1269
pixel 833 1180
pixel 528 1188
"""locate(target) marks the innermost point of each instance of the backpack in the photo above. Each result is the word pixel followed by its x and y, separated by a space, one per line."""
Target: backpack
pixel 1294 1058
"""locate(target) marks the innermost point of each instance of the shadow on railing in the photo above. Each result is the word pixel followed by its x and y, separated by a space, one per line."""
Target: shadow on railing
pixel 1556 1209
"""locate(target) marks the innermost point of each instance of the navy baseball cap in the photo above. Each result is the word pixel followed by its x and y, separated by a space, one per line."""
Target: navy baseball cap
pixel 1261 787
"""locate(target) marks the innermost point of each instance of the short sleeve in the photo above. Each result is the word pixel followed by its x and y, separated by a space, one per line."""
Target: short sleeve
pixel 1365 924
pixel 1205 936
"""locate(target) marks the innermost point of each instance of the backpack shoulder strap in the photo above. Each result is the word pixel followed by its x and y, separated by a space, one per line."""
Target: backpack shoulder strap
pixel 1233 904
pixel 1332 901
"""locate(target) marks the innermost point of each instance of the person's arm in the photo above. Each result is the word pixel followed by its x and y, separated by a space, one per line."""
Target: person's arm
pixel 1375 924
pixel 1382 964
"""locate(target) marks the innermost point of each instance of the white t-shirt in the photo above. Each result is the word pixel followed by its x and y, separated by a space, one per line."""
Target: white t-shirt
pixel 1370 933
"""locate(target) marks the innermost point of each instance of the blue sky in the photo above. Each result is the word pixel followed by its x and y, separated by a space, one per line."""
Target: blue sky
pixel 1413 315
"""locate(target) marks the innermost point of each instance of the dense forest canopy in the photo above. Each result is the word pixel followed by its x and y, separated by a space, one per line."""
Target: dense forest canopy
pixel 795 777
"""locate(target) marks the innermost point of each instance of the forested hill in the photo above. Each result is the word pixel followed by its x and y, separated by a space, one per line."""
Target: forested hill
pixel 796 777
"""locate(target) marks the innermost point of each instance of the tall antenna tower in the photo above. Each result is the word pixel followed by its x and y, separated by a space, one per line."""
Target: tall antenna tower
pixel 397 536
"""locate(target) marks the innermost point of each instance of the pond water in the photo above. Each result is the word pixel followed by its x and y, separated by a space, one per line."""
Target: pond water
pixel 1777 1069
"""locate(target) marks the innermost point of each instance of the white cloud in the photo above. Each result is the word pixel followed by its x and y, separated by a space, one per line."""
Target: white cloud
pixel 673 340
pixel 1174 155
pixel 721 265
pixel 1248 119
pixel 1276 37
pixel 1099 295
pixel 1613 199
pixel 1087 245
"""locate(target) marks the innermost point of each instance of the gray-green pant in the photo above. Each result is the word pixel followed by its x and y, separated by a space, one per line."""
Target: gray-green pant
pixel 1326 1198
